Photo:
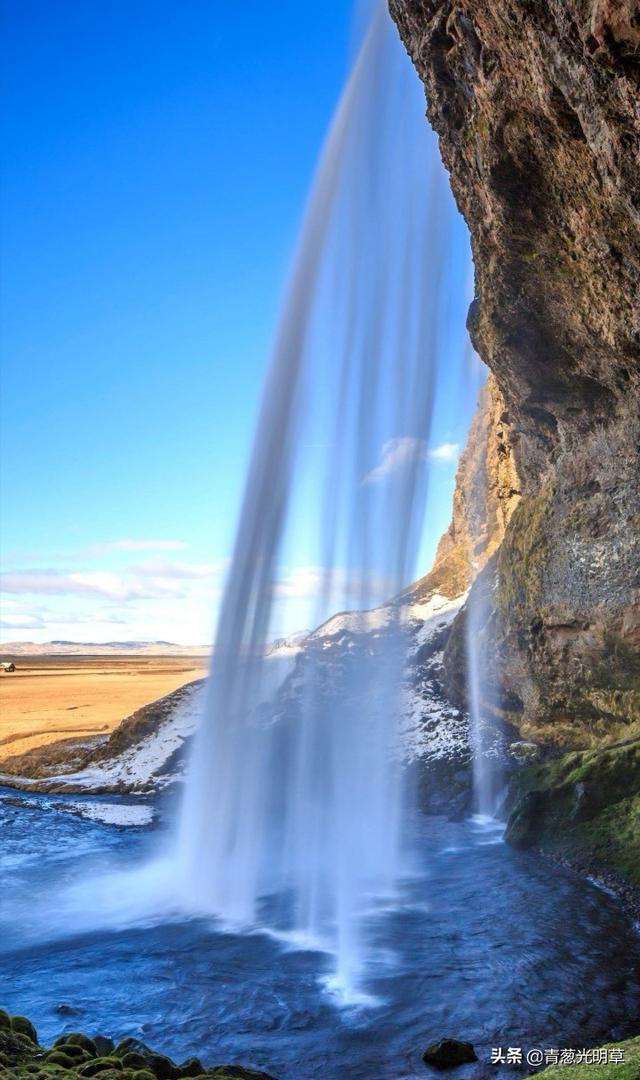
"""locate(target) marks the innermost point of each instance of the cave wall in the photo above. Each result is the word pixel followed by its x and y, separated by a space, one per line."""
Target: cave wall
pixel 537 107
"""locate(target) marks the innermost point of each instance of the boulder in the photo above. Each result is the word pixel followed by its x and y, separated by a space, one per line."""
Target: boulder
pixel 447 1053
pixel 103 1044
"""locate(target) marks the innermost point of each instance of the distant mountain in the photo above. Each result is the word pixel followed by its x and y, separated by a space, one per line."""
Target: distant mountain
pixel 100 648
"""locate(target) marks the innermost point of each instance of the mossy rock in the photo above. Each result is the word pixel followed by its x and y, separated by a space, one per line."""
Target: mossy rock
pixel 113 1074
pixel 101 1065
pixel 130 1046
pixel 58 1057
pixel 76 1038
pixel 133 1060
pixel 163 1067
pixel 74 1056
pixel 192 1067
pixel 584 807
pixel 78 1054
pixel 132 1050
pixel 22 1026
pixel 15 1047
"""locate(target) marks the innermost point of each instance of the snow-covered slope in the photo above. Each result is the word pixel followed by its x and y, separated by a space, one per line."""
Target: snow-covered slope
pixel 430 728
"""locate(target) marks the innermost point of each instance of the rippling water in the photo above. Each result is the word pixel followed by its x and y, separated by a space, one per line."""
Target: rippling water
pixel 485 944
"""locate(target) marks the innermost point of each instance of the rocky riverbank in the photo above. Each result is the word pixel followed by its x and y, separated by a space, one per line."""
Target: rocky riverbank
pixel 75 1056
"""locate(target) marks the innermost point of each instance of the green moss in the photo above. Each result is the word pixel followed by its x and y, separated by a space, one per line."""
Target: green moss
pixel 59 1058
pixel 101 1065
pixel 74 1057
pixel 629 1069
pixel 584 807
pixel 76 1038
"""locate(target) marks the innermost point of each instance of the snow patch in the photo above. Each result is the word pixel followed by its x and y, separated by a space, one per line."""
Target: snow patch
pixel 123 814
pixel 142 764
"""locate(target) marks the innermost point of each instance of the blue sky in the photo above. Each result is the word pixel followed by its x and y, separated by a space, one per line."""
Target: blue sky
pixel 156 161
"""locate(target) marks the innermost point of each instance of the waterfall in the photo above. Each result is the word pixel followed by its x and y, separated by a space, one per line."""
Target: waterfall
pixel 479 630
pixel 484 775
pixel 293 805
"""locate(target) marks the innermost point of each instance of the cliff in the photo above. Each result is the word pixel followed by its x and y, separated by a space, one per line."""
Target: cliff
pixel 487 491
pixel 537 106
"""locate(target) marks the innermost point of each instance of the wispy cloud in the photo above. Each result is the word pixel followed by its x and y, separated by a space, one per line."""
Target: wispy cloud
pixel 148 580
pixel 405 451
pixel 83 583
pixel 128 544
pixel 173 569
pixel 305 582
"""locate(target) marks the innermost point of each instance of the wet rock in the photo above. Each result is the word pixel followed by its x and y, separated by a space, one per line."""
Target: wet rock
pixel 104 1045
pixel 447 1053
pixel 66 1010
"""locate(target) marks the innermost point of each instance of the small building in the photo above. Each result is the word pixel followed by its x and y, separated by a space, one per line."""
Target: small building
pixel 7 666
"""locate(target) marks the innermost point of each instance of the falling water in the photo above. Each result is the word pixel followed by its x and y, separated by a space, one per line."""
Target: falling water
pixel 484 773
pixel 479 631
pixel 293 805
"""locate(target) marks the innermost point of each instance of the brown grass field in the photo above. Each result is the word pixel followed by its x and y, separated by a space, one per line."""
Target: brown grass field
pixel 57 697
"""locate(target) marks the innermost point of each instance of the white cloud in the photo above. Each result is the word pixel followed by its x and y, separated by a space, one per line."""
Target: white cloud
pixel 85 583
pixel 302 582
pixel 447 451
pixel 128 544
pixel 22 622
pixel 169 568
pixel 407 450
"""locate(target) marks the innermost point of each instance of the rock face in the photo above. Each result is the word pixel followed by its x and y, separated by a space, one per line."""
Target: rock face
pixel 584 807
pixel 537 106
pixel 487 491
